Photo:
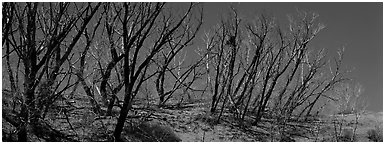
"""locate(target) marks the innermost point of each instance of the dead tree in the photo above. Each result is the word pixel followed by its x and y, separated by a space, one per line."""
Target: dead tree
pixel 277 70
pixel 146 29
pixel 178 73
pixel 43 37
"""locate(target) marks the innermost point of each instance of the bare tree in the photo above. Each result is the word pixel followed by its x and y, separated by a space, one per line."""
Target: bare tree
pixel 89 35
pixel 221 54
pixel 146 29
pixel 180 78
pixel 43 36
pixel 348 100
pixel 276 69
pixel 179 41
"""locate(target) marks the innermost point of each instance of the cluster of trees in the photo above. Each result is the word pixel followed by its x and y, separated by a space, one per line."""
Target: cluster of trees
pixel 253 64
pixel 58 50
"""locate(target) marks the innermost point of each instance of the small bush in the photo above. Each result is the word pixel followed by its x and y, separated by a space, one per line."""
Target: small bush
pixel 375 134
pixel 157 132
pixel 206 118
pixel 347 135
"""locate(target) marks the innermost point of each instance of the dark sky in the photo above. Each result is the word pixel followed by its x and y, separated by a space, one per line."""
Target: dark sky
pixel 357 26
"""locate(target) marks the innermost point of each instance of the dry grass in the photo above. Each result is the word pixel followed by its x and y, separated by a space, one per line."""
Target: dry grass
pixel 193 123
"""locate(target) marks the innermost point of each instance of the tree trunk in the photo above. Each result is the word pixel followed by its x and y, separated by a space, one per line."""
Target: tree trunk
pixel 122 117
pixel 110 106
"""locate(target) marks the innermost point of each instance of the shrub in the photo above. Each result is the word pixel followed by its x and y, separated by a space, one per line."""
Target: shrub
pixel 157 132
pixel 375 134
pixel 347 135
